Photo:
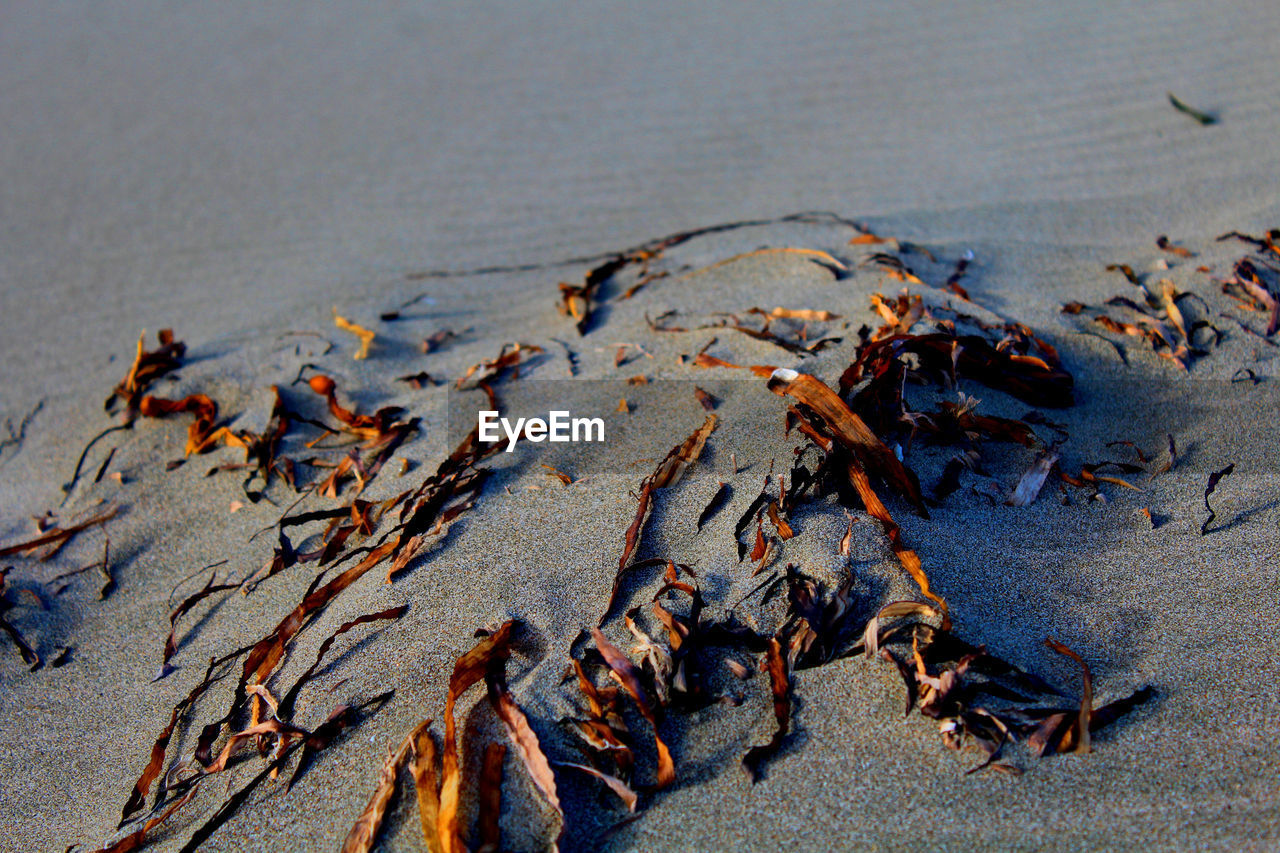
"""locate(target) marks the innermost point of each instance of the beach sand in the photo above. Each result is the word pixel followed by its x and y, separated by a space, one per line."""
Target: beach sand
pixel 239 177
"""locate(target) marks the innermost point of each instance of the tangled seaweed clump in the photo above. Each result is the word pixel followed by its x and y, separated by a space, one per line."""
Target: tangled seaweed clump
pixel 639 665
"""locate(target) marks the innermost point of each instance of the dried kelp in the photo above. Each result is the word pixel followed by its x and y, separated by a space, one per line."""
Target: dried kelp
pixel 1202 117
pixel 522 735
pixel 170 643
pixel 780 686
pixel 849 430
pixel 1157 320
pixel 366 336
pixel 285 708
pixel 147 367
pixel 426 782
pixel 621 789
pixel 629 677
pixel 510 357
pixel 798 345
pixel 52 541
pixel 365 832
pixel 490 797
pixel 200 434
pixel 1033 479
pixel 668 472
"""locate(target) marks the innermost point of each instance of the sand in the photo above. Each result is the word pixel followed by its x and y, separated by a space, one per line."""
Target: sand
pixel 237 176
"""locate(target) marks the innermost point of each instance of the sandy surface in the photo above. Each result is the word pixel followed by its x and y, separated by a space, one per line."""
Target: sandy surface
pixel 238 177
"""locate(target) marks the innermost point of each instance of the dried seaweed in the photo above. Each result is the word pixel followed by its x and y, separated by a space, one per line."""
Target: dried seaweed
pixel 365 831
pixel 366 336
pixel 1061 733
pixel 1203 118
pixel 780 686
pixel 1165 244
pixel 147 367
pixel 170 643
pixel 800 345
pixel 53 540
pixel 490 797
pixel 620 788
pixel 339 721
pixel 510 357
pixel 668 472
pixel 200 434
pixel 850 431
pixel 426 782
pixel 287 701
pixel 629 677
pixel 522 735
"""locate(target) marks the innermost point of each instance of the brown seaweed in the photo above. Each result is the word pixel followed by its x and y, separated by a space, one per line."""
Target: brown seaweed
pixel 780 686
pixel 170 643
pixel 366 336
pixel 365 831
pixel 147 367
pixel 668 472
pixel 629 677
